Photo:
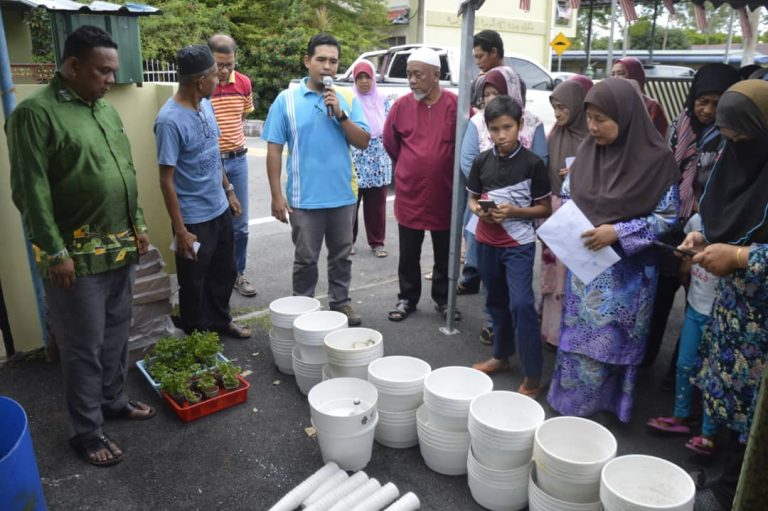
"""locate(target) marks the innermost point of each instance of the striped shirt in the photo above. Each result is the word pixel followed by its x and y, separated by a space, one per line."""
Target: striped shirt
pixel 230 102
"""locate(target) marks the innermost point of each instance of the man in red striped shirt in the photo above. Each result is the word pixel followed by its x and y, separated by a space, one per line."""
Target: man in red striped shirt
pixel 232 101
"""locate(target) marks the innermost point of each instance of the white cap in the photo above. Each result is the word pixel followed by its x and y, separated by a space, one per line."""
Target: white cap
pixel 426 55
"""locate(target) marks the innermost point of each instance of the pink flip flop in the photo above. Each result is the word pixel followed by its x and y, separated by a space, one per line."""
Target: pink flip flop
pixel 667 426
pixel 701 445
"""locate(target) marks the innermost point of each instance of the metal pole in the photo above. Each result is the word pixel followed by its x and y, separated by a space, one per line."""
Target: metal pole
pixel 653 29
pixel 462 118
pixel 8 93
pixel 559 62
pixel 589 71
pixel 730 37
pixel 609 58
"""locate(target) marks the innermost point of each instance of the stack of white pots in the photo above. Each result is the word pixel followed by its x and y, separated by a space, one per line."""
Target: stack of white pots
pixel 645 483
pixel 309 357
pixel 570 453
pixel 502 426
pixel 441 422
pixel 400 382
pixel 350 350
pixel 282 313
pixel 344 415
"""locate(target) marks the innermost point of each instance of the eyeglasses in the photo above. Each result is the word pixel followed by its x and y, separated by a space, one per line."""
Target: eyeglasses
pixel 207 131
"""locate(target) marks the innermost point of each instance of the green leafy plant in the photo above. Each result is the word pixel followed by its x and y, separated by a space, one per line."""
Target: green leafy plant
pixel 207 381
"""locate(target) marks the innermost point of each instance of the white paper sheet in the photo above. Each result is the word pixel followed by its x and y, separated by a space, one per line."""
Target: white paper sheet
pixel 195 245
pixel 562 234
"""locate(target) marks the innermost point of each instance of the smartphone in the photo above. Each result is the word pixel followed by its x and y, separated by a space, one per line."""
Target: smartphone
pixel 486 204
pixel 661 244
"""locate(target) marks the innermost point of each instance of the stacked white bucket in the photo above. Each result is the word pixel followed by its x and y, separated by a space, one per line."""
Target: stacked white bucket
pixel 570 453
pixel 645 483
pixel 400 382
pixel 350 350
pixel 344 415
pixel 502 426
pixel 309 355
pixel 441 422
pixel 282 313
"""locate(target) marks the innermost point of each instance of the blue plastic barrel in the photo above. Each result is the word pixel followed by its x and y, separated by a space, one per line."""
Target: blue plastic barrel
pixel 20 486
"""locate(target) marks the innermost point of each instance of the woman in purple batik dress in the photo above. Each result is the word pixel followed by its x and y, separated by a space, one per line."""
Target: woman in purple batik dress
pixel 624 179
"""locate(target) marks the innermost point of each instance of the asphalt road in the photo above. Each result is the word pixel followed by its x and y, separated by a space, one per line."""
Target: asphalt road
pixel 248 456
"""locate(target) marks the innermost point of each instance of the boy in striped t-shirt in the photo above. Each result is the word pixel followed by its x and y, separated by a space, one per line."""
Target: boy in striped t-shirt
pixel 232 101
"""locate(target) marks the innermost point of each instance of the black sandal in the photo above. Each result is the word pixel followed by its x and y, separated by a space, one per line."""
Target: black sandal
pixel 443 310
pixel 235 331
pixel 87 449
pixel 129 411
pixel 401 311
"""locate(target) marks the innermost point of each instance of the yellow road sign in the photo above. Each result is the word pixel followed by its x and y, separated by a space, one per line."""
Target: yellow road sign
pixel 560 43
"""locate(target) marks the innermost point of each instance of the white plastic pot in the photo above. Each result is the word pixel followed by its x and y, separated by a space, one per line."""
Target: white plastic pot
pixel 397 430
pixel 570 453
pixel 283 311
pixel 400 382
pixel 506 492
pixel 444 452
pixel 645 483
pixel 343 405
pixel 307 374
pixel 448 392
pixel 282 353
pixel 311 328
pixel 350 451
pixel 539 500
pixel 354 347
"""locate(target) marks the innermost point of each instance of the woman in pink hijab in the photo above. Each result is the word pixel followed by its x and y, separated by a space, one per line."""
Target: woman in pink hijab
pixel 373 166
pixel 632 69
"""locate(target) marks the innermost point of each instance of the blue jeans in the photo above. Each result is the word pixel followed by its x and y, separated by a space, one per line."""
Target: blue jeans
pixel 690 337
pixel 237 173
pixel 507 274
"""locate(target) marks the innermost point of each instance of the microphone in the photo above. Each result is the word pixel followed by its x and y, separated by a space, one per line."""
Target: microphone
pixel 328 83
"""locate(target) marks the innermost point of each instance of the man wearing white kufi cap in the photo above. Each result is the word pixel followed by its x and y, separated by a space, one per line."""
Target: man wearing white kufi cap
pixel 420 136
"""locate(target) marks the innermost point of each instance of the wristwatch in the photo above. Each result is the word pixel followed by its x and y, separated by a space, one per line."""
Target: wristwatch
pixel 343 117
pixel 229 188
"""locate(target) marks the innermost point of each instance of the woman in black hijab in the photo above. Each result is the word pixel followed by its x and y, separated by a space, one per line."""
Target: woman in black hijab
pixel 694 140
pixel 734 245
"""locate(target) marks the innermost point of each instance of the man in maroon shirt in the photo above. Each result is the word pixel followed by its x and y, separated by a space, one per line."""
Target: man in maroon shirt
pixel 420 136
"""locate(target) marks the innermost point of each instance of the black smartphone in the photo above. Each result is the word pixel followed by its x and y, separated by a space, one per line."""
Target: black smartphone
pixel 661 244
pixel 486 204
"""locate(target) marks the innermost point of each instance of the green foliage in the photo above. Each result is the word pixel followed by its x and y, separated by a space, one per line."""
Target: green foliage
pixel 39 23
pixel 640 36
pixel 182 23
pixel 207 381
pixel 191 354
pixel 271 35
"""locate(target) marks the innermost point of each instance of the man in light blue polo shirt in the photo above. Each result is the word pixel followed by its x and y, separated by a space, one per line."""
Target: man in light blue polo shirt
pixel 319 126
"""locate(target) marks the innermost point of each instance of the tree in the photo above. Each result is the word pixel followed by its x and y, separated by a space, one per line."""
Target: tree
pixel 640 35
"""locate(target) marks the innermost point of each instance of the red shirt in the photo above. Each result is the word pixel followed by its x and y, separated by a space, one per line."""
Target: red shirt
pixel 230 102
pixel 421 141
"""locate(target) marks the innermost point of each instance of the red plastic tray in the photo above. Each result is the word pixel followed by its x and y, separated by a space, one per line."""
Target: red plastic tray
pixel 225 399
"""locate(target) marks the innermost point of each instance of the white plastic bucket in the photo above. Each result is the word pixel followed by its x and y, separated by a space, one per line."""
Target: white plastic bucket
pixel 350 452
pixel 400 382
pixel 312 354
pixel 570 453
pixel 343 406
pixel 444 452
pixel 354 347
pixel 502 425
pixel 397 430
pixel 539 500
pixel 448 392
pixel 311 328
pixel 645 483
pixel 283 311
pixel 307 374
pixel 498 490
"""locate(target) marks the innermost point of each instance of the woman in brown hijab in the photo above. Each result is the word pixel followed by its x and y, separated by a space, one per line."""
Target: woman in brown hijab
pixel 624 179
pixel 569 131
pixel 631 68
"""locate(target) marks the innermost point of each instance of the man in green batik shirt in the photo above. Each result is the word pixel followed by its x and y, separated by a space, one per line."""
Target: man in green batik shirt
pixel 73 181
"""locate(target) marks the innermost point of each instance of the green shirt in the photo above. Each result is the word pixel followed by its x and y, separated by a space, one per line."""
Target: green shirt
pixel 73 180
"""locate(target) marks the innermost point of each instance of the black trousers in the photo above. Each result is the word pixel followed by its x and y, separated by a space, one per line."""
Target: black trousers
pixel 409 266
pixel 205 285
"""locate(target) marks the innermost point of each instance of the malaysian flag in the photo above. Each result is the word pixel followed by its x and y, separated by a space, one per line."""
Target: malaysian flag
pixel 746 28
pixel 525 5
pixel 701 17
pixel 628 6
pixel 575 4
